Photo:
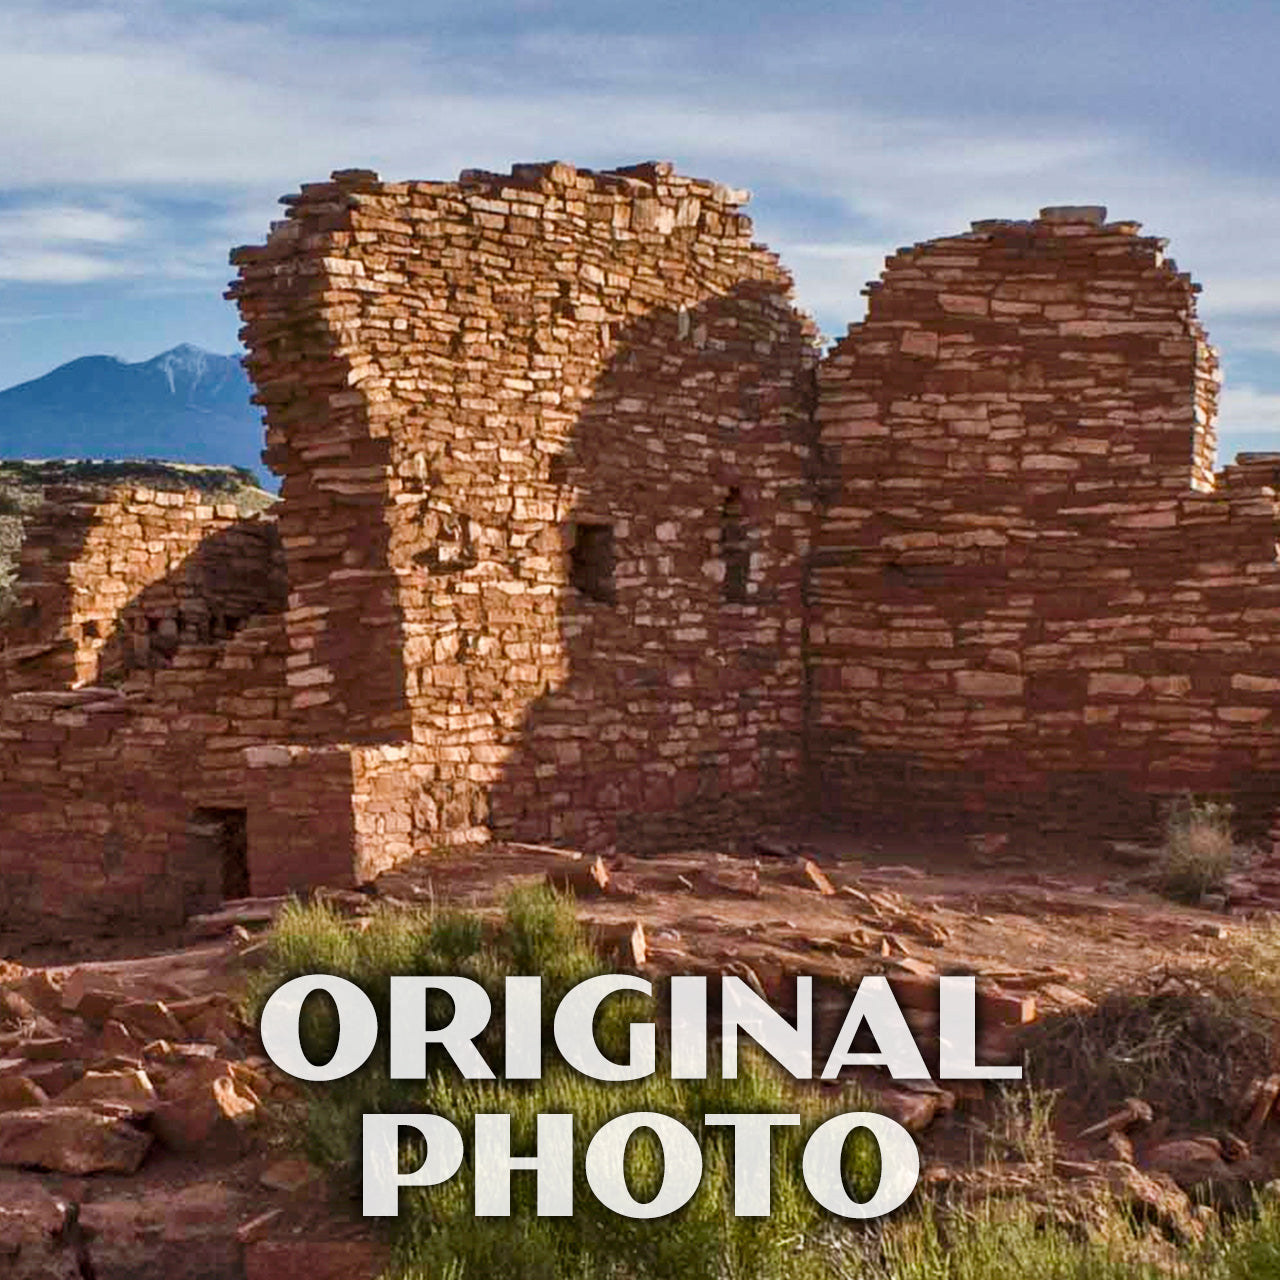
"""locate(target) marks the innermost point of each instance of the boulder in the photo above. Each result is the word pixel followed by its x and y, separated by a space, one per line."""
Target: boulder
pixel 84 994
pixel 288 1175
pixel 1154 1197
pixel 71 1140
pixel 1197 1166
pixel 128 1089
pixel 116 1040
pixel 204 1110
pixel 19 1092
pixel 914 1111
pixel 149 1020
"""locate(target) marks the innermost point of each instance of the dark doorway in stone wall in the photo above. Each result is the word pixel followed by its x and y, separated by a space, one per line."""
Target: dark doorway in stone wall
pixel 225 836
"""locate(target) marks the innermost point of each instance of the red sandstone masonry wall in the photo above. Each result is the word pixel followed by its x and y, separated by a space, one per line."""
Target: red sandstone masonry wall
pixel 113 578
pixel 98 787
pixel 455 375
pixel 1029 599
pixel 1026 594
pixel 307 319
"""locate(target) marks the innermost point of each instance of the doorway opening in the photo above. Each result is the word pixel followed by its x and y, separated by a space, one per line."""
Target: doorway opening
pixel 226 832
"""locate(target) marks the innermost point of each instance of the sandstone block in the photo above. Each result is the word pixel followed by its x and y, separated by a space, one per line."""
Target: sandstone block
pixel 71 1140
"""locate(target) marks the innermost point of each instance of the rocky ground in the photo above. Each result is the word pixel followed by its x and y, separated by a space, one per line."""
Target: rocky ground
pixel 140 1125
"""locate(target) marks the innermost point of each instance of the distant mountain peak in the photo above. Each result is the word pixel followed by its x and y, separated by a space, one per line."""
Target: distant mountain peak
pixel 186 351
pixel 186 404
pixel 186 367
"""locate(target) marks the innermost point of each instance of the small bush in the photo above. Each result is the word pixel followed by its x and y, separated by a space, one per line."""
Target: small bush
pixel 1199 849
pixel 1022 1125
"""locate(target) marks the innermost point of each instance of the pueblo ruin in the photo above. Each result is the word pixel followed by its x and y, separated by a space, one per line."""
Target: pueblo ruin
pixel 582 540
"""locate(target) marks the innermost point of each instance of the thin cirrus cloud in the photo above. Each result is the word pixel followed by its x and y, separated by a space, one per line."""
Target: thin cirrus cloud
pixel 859 128
pixel 59 223
pixel 64 244
pixel 43 266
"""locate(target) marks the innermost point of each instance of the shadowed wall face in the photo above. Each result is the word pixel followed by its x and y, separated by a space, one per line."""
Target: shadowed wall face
pixel 578 547
pixel 1031 595
pixel 114 578
pixel 555 381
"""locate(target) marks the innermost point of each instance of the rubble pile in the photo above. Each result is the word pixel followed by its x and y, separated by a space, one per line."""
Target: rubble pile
pixel 131 1137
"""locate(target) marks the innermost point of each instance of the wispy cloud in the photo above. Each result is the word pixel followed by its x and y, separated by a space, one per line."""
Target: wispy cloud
pixel 64 243
pixel 1248 410
pixel 43 266
pixel 147 139
pixel 40 224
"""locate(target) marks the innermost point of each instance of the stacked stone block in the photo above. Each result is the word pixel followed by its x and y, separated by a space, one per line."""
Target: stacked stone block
pixel 574 546
pixel 113 578
pixel 99 786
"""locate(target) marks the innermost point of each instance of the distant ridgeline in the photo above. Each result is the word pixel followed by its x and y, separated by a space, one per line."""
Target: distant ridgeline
pixel 185 404
pixel 23 483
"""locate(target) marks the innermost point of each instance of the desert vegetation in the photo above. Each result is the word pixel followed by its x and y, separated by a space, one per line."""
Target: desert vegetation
pixel 1199 849
pixel 437 1232
pixel 1189 1041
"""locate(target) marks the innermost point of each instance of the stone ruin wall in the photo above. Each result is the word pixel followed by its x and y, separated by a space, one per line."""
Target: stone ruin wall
pixel 115 578
pixel 457 377
pixel 100 784
pixel 981 564
pixel 1032 599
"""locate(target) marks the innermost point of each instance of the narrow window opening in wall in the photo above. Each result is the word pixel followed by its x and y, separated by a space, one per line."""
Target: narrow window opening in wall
pixel 153 626
pixel 90 630
pixel 228 835
pixel 591 560
pixel 734 549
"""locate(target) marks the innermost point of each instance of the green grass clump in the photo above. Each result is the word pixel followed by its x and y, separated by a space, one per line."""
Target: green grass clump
pixel 1250 965
pixel 437 1232
pixel 438 1237
pixel 1001 1238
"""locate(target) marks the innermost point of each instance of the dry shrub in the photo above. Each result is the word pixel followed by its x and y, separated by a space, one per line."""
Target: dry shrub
pixel 1199 848
pixel 1189 1043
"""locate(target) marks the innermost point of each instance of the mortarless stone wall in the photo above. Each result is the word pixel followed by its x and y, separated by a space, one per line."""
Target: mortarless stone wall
pixel 1030 597
pixel 102 790
pixel 579 541
pixel 144 654
pixel 113 577
pixel 457 378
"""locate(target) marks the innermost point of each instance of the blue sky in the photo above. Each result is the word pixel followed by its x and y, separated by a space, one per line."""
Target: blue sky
pixel 140 141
